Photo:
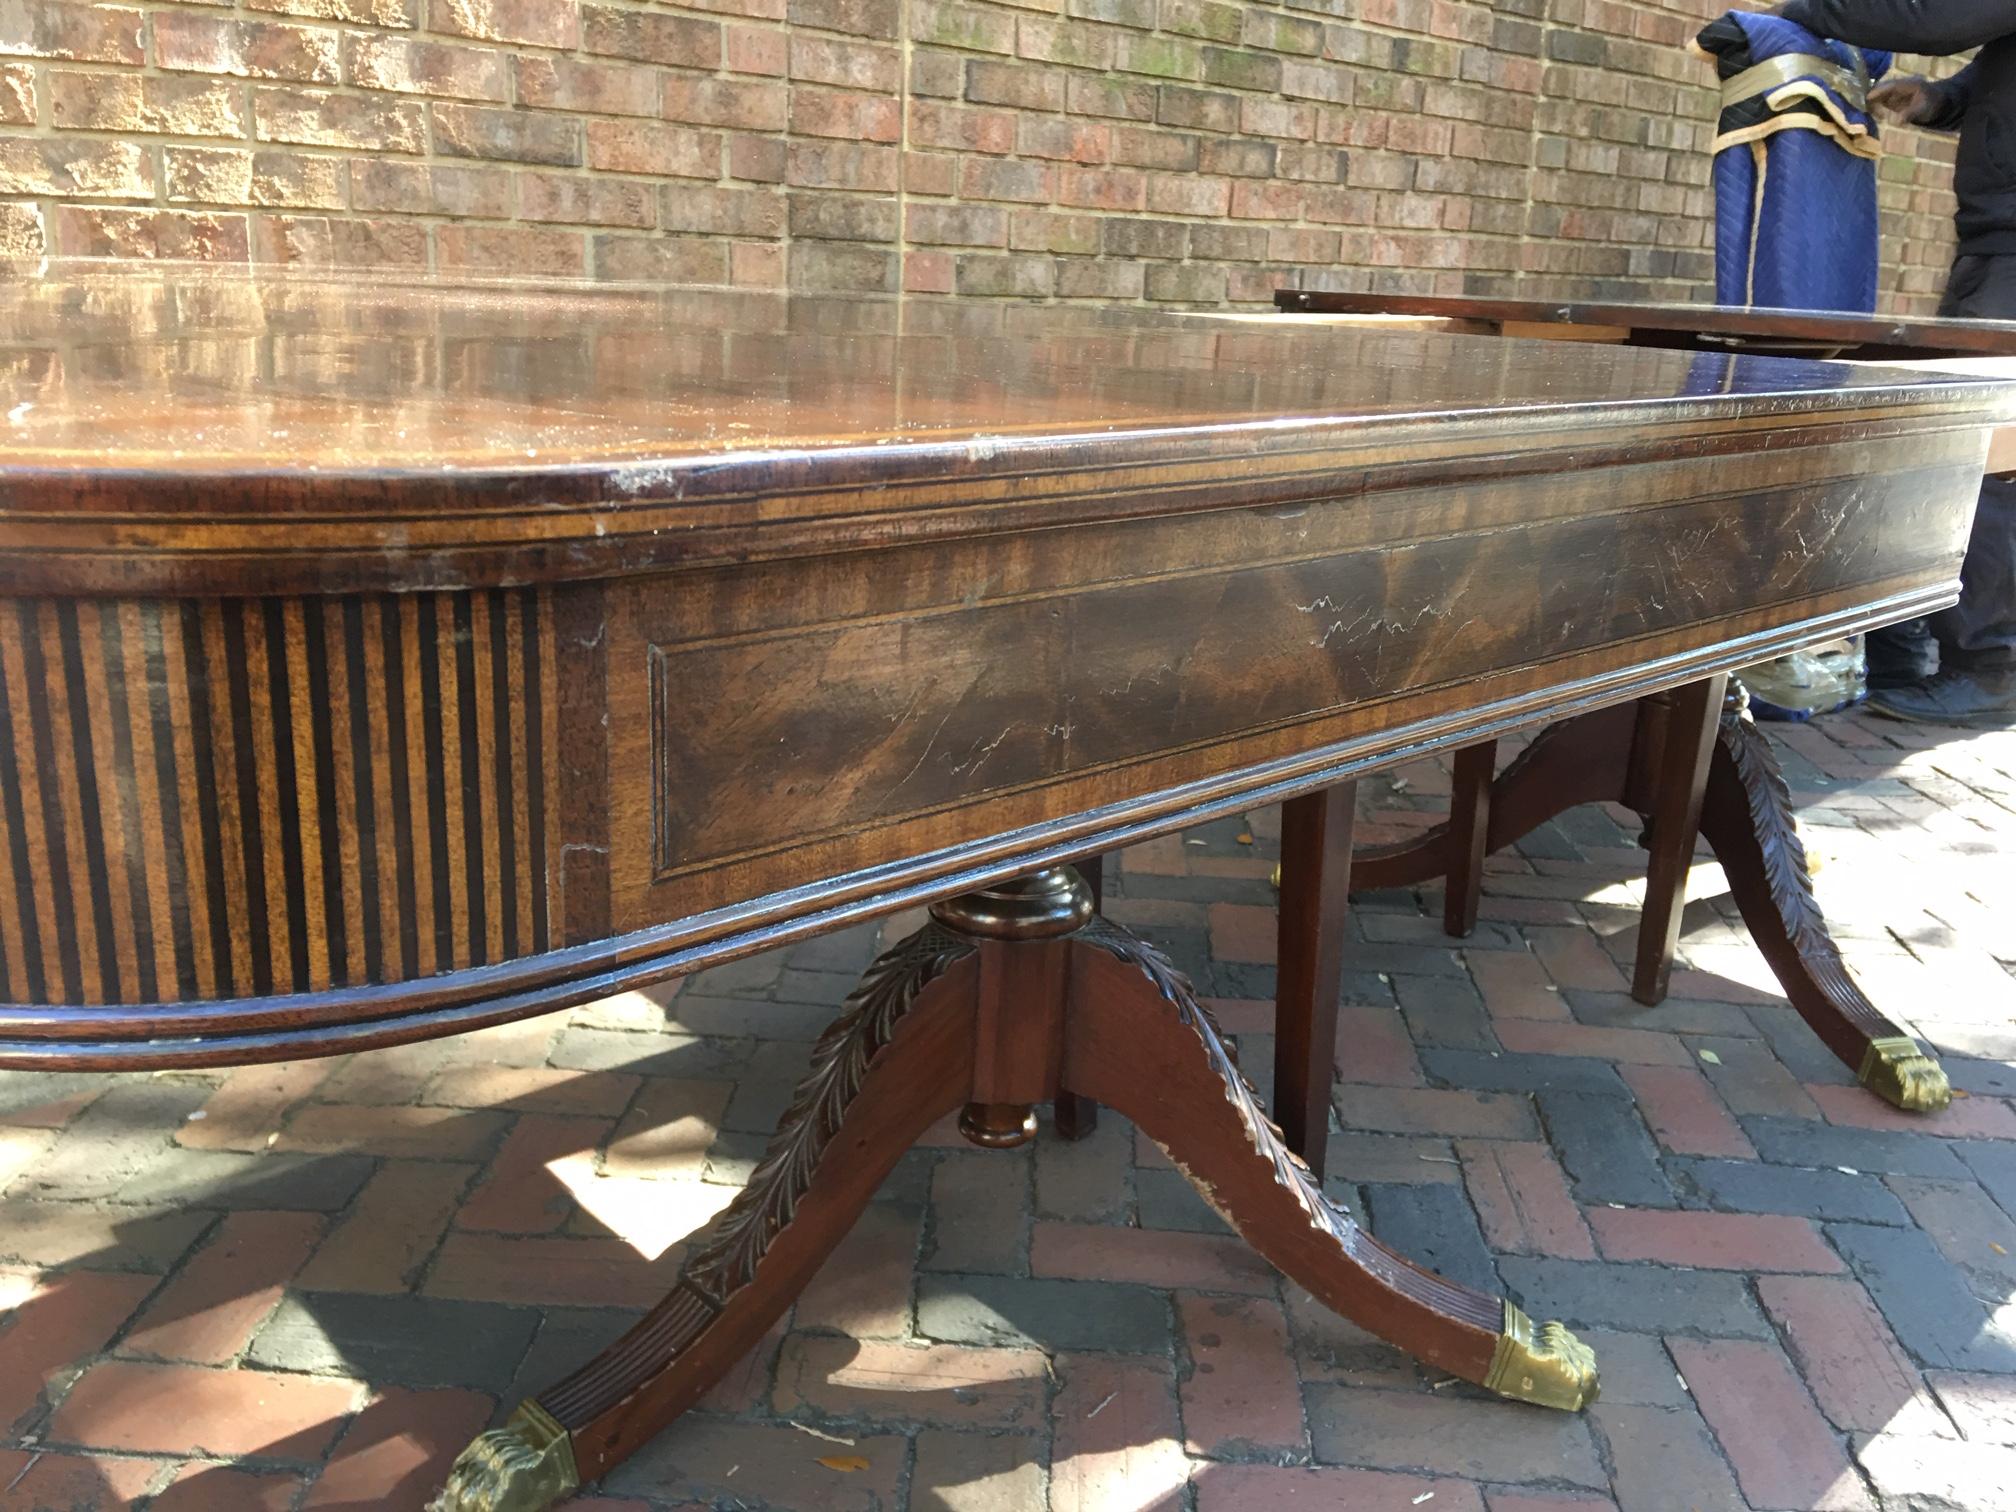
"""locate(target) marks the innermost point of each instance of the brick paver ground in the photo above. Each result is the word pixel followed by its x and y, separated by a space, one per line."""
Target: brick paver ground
pixel 307 1285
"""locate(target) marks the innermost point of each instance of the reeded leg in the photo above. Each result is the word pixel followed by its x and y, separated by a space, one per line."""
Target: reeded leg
pixel 1747 817
pixel 898 1059
pixel 1315 880
pixel 1686 739
pixel 1469 830
pixel 1139 1041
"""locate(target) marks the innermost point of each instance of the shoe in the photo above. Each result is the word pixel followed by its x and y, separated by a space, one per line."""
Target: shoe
pixel 1980 698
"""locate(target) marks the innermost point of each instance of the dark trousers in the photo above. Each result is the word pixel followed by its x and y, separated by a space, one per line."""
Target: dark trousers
pixel 1980 630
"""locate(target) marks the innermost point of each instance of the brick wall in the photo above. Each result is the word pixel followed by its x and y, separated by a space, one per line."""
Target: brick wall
pixel 1169 150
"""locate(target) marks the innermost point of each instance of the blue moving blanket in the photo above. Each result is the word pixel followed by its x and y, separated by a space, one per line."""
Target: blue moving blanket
pixel 1795 167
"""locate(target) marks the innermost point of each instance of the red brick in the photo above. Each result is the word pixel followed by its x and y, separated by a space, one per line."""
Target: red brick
pixel 397 1452
pixel 544 1271
pixel 1969 1228
pixel 1099 1252
pixel 392 1226
pixel 225 1413
pixel 442 69
pixel 754 267
pixel 1851 1361
pixel 428 1133
pixel 863 1289
pixel 979 1472
pixel 851 65
pixel 518 136
pixel 1785 1454
pixel 738 104
pixel 677 41
pixel 840 165
pixel 533 1089
pixel 511 249
pixel 596 88
pixel 1638 1046
pixel 318 118
pixel 123 102
pixel 538 23
pixel 1715 1241
pixel 1522 1501
pixel 188 41
pixel 945 1384
pixel 1522 1199
pixel 79 33
pixel 1515 985
pixel 66 165
pixel 437 189
pixel 639 147
pixel 667 1132
pixel 64 1320
pixel 1447 1112
pixel 248 1108
pixel 1573 958
pixel 1963 1118
pixel 1116 1440
pixel 1161 857
pixel 1241 1394
pixel 518 1194
pixel 1327 1488
pixel 755 50
pixel 58 1111
pixel 208 1313
pixel 222 1488
pixel 927 272
pixel 1373 1046
pixel 42 1482
pixel 1684 1113
pixel 1243 932
pixel 763 1465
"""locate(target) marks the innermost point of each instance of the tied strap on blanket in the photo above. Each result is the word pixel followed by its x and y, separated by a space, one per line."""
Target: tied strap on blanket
pixel 1795 171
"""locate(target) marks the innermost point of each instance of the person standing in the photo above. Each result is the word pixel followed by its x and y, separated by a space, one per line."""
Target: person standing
pixel 1958 666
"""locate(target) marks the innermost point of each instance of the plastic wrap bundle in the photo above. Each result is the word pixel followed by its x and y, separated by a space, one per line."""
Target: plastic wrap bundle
pixel 1795 166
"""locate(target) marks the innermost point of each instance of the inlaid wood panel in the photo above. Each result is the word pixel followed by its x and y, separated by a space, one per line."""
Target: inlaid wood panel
pixel 240 797
pixel 840 713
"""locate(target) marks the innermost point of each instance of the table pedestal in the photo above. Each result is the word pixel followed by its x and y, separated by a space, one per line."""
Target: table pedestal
pixel 1693 761
pixel 1010 997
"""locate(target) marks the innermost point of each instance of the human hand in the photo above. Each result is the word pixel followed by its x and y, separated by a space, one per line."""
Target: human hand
pixel 1902 99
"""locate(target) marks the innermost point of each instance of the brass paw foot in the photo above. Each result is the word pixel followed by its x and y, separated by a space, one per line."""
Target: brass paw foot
pixel 1899 1071
pixel 1548 1365
pixel 525 1466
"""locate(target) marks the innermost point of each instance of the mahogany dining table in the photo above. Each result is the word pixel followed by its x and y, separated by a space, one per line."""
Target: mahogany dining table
pixel 383 659
pixel 1712 774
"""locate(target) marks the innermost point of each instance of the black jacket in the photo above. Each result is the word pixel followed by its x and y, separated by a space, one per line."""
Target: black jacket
pixel 1979 102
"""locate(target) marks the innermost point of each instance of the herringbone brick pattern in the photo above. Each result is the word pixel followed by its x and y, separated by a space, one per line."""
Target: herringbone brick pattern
pixel 307 1285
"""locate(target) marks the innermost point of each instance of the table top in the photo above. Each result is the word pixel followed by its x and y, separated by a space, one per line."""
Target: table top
pixel 1693 325
pixel 182 428
pixel 725 618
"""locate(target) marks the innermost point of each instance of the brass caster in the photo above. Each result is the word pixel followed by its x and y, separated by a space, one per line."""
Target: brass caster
pixel 1898 1070
pixel 1547 1366
pixel 525 1466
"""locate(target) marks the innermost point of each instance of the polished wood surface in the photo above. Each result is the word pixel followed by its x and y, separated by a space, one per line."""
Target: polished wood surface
pixel 379 662
pixel 1687 327
pixel 223 432
pixel 388 661
pixel 1689 769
